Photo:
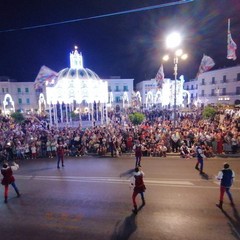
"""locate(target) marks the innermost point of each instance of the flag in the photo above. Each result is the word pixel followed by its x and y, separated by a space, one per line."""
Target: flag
pixel 45 75
pixel 160 77
pixel 206 64
pixel 231 45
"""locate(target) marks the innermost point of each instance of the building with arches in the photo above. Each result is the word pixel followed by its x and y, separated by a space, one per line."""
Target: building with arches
pixel 76 89
pixel 152 96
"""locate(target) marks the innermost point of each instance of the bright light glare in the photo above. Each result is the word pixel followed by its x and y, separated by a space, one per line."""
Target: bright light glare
pixel 165 58
pixel 184 56
pixel 173 40
pixel 179 52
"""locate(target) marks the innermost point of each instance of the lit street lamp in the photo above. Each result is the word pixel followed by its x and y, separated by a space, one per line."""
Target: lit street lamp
pixel 173 41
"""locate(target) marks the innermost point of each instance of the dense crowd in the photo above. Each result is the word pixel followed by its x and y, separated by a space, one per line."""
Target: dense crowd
pixel 157 136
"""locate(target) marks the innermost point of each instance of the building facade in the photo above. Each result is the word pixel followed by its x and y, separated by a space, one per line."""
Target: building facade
pixel 163 97
pixel 119 91
pixel 18 95
pixel 26 98
pixel 221 86
pixel 72 86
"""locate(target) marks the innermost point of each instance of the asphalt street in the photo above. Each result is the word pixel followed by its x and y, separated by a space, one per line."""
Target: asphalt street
pixel 90 199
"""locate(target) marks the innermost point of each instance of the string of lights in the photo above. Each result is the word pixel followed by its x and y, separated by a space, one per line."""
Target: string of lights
pixel 98 16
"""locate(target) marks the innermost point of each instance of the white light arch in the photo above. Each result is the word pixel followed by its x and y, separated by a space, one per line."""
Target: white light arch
pixel 75 85
pixel 149 99
pixel 8 104
pixel 41 104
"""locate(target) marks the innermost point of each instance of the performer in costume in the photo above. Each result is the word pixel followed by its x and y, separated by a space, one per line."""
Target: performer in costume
pixel 8 178
pixel 139 187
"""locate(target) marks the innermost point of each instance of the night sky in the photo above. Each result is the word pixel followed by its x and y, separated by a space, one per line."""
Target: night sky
pixel 129 45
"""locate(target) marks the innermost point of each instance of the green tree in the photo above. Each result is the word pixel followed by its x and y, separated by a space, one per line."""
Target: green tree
pixel 209 112
pixel 18 117
pixel 136 118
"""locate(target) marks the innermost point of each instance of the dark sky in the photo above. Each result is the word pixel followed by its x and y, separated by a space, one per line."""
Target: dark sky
pixel 128 45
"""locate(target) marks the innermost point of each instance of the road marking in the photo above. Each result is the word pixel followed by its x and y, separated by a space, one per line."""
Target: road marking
pixel 101 179
pixel 117 180
pixel 235 229
pixel 169 182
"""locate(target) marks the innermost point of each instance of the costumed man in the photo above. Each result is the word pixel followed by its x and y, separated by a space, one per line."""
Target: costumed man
pixel 139 187
pixel 138 148
pixel 226 176
pixel 8 178
pixel 200 157
pixel 60 154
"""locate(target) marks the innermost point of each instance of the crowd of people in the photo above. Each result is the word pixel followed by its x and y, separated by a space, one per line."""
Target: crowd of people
pixel 191 136
pixel 156 135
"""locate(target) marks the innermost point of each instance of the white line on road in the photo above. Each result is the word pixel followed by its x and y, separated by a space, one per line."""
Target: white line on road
pixel 117 180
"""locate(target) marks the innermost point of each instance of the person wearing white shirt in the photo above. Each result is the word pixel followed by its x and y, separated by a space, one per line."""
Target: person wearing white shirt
pixel 226 176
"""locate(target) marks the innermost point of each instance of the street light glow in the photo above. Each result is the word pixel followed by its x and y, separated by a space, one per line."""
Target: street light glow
pixel 179 52
pixel 173 40
pixel 166 58
pixel 184 56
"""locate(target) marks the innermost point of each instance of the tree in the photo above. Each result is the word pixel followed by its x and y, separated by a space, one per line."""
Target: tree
pixel 18 117
pixel 209 112
pixel 136 118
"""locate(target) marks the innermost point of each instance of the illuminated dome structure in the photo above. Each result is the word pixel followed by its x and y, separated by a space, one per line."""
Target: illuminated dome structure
pixel 76 89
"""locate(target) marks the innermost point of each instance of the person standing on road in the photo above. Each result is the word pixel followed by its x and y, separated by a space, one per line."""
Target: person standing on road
pixel 8 178
pixel 200 157
pixel 139 187
pixel 137 148
pixel 60 154
pixel 226 176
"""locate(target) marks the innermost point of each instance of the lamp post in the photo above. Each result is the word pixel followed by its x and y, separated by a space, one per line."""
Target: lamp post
pixel 174 41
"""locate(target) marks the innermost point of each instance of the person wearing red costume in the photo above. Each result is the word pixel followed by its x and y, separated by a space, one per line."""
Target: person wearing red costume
pixel 8 179
pixel 139 187
pixel 60 154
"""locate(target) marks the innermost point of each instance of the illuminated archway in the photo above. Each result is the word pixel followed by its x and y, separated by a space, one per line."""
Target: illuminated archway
pixel 8 104
pixel 73 86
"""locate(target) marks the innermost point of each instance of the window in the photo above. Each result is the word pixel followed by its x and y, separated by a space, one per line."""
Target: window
pixel 224 92
pixel 224 78
pixel 109 88
pixel 213 80
pixel 6 90
pixel 238 90
pixel 187 87
pixel 238 77
pixel 191 95
pixel 203 81
pixel 19 101
pixel 19 90
pixel 125 88
pixel 117 99
pixel 28 101
pixel 213 92
pixel 197 86
pixel 117 89
pixel 202 93
pixel 192 87
pixel 26 90
pixel 3 90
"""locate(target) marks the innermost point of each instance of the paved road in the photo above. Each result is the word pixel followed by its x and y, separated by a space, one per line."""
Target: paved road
pixel 90 199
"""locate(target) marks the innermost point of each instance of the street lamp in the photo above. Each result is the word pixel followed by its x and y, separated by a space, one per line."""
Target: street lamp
pixel 173 41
